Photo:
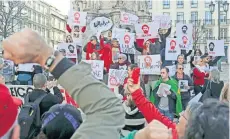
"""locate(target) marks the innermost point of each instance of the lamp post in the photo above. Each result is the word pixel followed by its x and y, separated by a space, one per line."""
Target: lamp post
pixel 212 9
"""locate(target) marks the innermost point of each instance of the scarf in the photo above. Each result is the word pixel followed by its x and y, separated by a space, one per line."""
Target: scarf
pixel 174 87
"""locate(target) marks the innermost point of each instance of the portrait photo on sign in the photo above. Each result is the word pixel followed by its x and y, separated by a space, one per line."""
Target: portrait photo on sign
pixel 78 18
pixel 68 49
pixel 149 64
pixel 128 19
pixel 183 84
pixel 126 42
pixel 184 35
pixel 215 47
pixel 147 30
pixel 172 50
pixel 69 38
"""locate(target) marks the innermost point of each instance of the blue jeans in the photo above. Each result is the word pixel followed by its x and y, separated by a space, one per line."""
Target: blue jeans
pixel 167 114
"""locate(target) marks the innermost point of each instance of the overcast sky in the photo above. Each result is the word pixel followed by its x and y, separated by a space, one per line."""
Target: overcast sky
pixel 62 5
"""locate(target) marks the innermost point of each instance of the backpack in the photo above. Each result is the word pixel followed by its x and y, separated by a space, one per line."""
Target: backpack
pixel 29 118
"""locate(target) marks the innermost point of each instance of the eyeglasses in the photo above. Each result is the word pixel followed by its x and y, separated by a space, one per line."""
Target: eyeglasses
pixel 181 68
pixel 182 115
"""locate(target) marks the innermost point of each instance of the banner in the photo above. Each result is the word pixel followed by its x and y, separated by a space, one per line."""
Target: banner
pixel 184 36
pixel 149 64
pixel 8 67
pixel 68 50
pixel 116 77
pixel 97 68
pixel 78 18
pixel 171 50
pixel 164 21
pixel 126 41
pixel 100 24
pixel 28 67
pixel 147 30
pixel 20 91
pixel 128 19
pixel 215 47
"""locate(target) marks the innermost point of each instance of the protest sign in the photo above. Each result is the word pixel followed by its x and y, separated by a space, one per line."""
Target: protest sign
pixel 101 24
pixel 78 18
pixel 68 50
pixel 126 41
pixel 117 31
pixel 20 91
pixel 28 67
pixel 172 50
pixel 77 35
pixel 116 77
pixel 164 21
pixel 184 36
pixel 182 84
pixel 128 19
pixel 149 64
pixel 8 67
pixel 215 47
pixel 97 68
pixel 147 30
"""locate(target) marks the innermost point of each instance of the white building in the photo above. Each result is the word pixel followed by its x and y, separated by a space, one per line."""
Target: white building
pixel 194 11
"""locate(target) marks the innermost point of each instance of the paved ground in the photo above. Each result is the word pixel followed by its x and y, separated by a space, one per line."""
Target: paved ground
pixel 225 74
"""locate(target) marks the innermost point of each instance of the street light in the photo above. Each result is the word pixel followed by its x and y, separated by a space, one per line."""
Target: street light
pixel 212 9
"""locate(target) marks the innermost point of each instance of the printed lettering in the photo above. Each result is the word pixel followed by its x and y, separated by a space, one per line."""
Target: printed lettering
pixel 101 24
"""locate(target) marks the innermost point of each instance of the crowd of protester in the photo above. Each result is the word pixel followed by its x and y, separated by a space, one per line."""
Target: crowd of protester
pixel 141 113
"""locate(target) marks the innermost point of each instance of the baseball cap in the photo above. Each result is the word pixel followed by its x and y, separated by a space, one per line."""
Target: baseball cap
pixel 61 121
pixel 8 109
pixel 93 38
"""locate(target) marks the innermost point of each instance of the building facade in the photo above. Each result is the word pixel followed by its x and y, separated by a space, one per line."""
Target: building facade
pixel 196 12
pixel 46 20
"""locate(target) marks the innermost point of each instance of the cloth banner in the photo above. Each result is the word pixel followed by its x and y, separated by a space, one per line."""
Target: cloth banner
pixel 128 19
pixel 172 50
pixel 215 47
pixel 184 36
pixel 101 24
pixel 147 30
pixel 164 21
pixel 68 50
pixel 97 68
pixel 126 41
pixel 149 64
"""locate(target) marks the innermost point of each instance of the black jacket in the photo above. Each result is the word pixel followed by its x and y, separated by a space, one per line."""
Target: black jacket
pixel 49 99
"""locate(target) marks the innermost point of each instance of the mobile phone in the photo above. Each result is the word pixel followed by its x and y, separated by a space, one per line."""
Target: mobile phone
pixel 136 75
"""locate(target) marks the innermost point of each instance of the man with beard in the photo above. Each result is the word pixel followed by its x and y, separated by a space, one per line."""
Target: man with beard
pixel 145 29
pixel 184 29
pixel 211 46
pixel 134 120
pixel 71 48
pixel 127 40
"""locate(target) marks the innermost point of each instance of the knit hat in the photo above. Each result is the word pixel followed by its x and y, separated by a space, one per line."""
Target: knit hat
pixel 8 109
pixel 61 121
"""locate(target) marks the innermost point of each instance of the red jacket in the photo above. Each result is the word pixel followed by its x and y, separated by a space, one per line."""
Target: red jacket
pixel 107 56
pixel 150 112
pixel 198 77
pixel 90 48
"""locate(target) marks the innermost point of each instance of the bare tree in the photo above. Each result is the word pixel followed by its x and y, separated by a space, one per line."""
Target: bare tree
pixel 12 17
pixel 198 32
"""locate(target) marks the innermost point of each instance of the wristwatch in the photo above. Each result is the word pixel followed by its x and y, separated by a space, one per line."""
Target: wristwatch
pixel 49 61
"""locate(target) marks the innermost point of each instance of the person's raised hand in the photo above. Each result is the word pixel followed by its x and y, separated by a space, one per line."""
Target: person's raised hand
pixel 131 86
pixel 154 130
pixel 26 46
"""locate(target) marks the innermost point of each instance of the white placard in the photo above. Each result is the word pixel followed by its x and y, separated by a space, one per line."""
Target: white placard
pixel 147 30
pixel 215 47
pixel 128 19
pixel 101 24
pixel 77 35
pixel 182 85
pixel 172 50
pixel 117 31
pixel 184 35
pixel 20 91
pixel 164 21
pixel 78 18
pixel 126 42
pixel 8 68
pixel 149 64
pixel 116 77
pixel 28 67
pixel 97 68
pixel 68 50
